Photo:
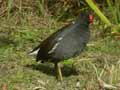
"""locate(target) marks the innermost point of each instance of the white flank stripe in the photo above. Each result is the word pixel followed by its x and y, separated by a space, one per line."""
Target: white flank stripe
pixel 35 52
pixel 54 47
pixel 60 38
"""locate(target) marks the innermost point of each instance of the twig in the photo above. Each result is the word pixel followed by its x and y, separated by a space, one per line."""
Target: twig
pixel 104 85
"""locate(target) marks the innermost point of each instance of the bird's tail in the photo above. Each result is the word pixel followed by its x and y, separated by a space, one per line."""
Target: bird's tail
pixel 33 52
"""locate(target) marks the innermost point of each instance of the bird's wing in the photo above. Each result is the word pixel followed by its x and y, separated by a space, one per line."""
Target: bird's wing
pixel 51 42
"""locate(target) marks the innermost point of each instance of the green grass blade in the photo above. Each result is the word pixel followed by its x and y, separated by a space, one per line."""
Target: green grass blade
pixel 113 11
pixel 10 5
pixel 117 4
pixel 98 12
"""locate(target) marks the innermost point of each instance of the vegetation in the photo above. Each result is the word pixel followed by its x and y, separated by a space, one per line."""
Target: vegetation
pixel 25 23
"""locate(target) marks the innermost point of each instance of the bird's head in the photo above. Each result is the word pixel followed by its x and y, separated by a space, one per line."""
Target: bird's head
pixel 90 18
pixel 85 17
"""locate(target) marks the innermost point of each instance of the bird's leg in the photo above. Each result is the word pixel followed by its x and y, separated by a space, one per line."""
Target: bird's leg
pixel 58 71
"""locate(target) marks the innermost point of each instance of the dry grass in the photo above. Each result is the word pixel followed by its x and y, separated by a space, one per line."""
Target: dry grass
pixel 97 68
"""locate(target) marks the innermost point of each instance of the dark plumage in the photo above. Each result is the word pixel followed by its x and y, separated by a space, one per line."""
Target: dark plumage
pixel 67 42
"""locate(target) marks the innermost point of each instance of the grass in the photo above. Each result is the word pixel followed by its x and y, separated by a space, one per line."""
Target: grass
pixel 18 71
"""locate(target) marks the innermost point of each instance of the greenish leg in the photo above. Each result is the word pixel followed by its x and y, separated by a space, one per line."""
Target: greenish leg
pixel 58 71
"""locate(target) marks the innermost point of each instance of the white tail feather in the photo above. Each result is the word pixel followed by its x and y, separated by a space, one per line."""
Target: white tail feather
pixel 34 52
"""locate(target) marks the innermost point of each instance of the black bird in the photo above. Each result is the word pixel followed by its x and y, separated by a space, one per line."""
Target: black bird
pixel 67 42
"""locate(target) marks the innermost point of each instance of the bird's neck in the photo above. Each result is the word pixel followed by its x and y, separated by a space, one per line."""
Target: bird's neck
pixel 82 24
